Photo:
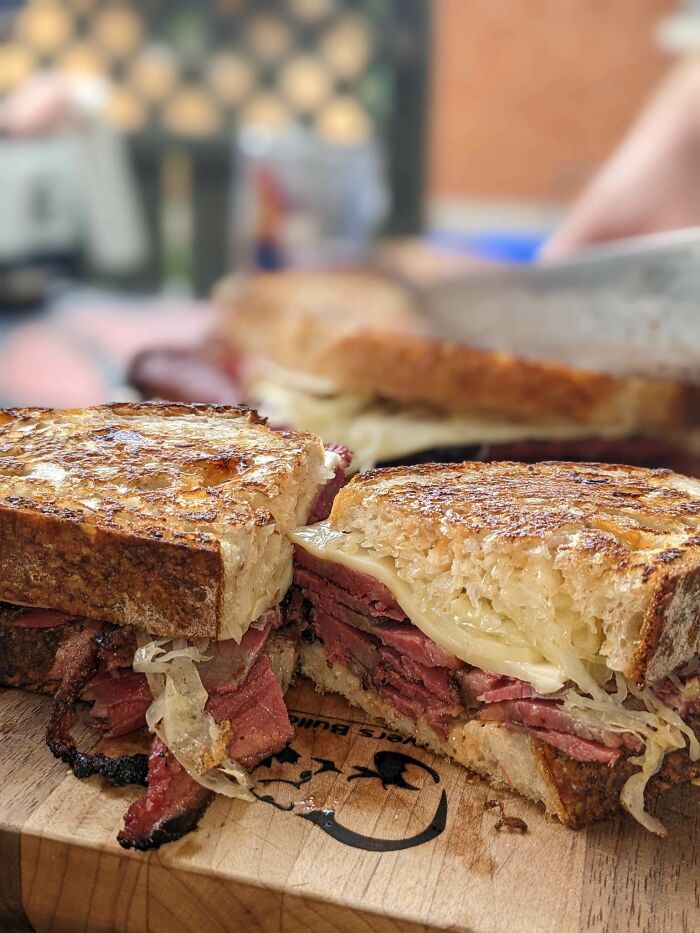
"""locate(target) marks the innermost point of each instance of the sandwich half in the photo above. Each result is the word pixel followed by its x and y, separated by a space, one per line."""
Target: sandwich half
pixel 143 561
pixel 539 624
pixel 347 356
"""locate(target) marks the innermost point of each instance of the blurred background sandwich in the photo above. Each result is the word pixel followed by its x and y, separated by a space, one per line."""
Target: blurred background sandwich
pixel 349 356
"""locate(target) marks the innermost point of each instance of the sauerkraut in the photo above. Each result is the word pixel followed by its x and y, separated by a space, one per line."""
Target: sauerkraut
pixel 178 715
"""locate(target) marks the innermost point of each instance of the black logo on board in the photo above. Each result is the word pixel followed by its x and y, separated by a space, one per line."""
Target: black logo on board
pixel 390 768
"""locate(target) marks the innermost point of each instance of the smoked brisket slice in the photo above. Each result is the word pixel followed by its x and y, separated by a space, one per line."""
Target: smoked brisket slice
pixel 175 802
pixel 79 658
pixel 172 806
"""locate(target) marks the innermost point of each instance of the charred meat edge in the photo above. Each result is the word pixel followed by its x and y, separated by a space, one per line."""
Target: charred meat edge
pixel 80 657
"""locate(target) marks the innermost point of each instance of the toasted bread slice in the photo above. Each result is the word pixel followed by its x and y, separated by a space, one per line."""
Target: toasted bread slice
pixel 587 560
pixel 361 335
pixel 577 793
pixel 172 518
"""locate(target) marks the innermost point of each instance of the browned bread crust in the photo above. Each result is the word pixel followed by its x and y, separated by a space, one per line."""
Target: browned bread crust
pixel 363 334
pixel 627 531
pixel 587 792
pixel 122 512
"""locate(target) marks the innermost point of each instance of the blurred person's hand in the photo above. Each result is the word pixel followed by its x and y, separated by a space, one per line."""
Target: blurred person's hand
pixel 652 182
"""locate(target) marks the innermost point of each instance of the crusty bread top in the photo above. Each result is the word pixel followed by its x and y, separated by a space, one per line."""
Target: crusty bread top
pixel 362 333
pixel 181 466
pixel 613 550
pixel 187 480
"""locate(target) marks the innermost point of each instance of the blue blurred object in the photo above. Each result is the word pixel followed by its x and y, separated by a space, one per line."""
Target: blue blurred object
pixel 514 246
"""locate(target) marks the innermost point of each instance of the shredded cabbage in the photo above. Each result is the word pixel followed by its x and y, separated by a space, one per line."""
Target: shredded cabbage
pixel 632 794
pixel 178 716
pixel 690 690
pixel 658 726
pixel 151 658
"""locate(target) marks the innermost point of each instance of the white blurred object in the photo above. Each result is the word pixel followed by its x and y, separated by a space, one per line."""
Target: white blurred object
pixel 115 228
pixel 311 201
pixel 66 187
pixel 680 33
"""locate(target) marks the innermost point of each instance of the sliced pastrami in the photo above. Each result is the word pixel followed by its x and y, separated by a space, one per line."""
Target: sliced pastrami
pixel 28 654
pixel 120 698
pixel 232 661
pixel 175 802
pixel 257 713
pixel 346 644
pixel 577 748
pixel 435 680
pixel 362 592
pixel 514 690
pixel 322 504
pixel 413 643
pixel 41 618
pixel 172 806
pixel 78 659
pixel 549 715
pixel 415 699
pixel 473 683
pixel 479 687
pixel 422 690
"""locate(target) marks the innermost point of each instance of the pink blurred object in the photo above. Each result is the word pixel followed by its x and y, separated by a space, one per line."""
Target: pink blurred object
pixel 51 103
pixel 177 325
pixel 78 353
pixel 41 367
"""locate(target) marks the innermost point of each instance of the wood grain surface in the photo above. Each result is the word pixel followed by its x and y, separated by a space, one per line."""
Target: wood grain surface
pixel 265 867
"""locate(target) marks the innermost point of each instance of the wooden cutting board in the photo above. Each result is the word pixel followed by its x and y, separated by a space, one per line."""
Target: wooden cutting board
pixel 360 832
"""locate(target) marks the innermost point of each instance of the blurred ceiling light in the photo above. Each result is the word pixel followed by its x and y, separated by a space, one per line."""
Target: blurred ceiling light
pixel 305 83
pixel 154 73
pixel 119 30
pixel 347 47
pixel 231 76
pixel 269 37
pixel 192 112
pixel 266 110
pixel 312 10
pixel 125 111
pixel 343 122
pixel 82 58
pixel 44 26
pixel 16 64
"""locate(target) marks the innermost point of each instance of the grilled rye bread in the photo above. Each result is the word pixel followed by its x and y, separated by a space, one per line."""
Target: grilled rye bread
pixel 171 518
pixel 538 623
pixel 622 545
pixel 359 335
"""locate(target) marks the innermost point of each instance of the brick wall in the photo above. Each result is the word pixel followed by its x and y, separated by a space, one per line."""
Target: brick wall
pixel 529 95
